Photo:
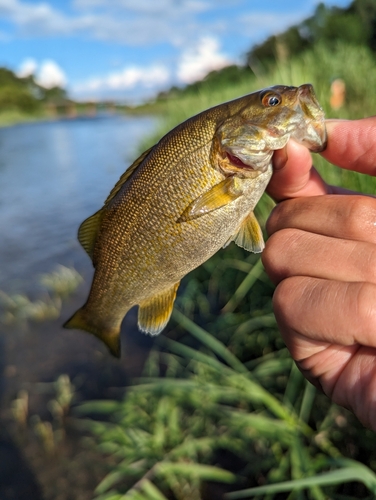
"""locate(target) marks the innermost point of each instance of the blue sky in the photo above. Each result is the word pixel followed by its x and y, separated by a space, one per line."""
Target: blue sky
pixel 130 49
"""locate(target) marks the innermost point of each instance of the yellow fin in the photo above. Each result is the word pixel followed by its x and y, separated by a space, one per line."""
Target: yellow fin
pixel 109 335
pixel 250 235
pixel 154 313
pixel 218 196
pixel 127 174
pixel 88 231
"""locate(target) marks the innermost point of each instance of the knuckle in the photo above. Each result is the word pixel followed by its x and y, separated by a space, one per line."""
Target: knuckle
pixel 286 309
pixel 366 312
pixel 369 264
pixel 278 250
pixel 277 216
pixel 360 216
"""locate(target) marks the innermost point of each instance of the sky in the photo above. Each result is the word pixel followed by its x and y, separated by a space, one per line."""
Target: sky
pixel 131 49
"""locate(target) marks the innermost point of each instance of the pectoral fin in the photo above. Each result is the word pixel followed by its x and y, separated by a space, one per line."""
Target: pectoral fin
pixel 250 235
pixel 154 313
pixel 218 196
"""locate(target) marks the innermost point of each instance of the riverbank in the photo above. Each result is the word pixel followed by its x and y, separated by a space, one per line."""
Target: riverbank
pixel 67 169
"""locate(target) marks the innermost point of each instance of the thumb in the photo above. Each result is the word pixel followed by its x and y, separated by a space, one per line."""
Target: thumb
pixel 294 174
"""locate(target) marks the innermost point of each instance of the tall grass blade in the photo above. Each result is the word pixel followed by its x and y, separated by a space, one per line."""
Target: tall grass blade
pixel 357 472
pixel 153 493
pixel 194 470
pixel 307 402
pixel 244 287
pixel 212 343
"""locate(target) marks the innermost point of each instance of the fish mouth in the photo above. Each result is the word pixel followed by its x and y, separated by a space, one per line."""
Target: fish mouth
pixel 237 162
pixel 318 148
pixel 318 139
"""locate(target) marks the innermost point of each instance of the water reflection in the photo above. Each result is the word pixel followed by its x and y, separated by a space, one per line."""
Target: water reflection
pixel 52 176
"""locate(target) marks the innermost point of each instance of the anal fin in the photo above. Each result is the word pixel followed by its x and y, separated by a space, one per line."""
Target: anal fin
pixel 154 313
pixel 250 235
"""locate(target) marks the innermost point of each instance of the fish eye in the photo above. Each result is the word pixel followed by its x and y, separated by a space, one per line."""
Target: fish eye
pixel 271 100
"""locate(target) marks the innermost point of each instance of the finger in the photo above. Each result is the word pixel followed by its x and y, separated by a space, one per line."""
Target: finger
pixel 347 217
pixel 352 144
pixel 333 312
pixel 292 252
pixel 294 175
pixel 329 329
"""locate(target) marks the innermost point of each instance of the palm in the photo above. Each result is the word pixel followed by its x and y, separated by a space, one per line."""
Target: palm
pixel 346 374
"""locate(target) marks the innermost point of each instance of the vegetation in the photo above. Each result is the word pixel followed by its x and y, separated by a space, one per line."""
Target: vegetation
pixel 23 99
pixel 222 411
pixel 355 25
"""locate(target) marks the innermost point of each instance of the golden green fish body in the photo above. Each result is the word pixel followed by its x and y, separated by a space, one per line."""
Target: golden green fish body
pixel 184 199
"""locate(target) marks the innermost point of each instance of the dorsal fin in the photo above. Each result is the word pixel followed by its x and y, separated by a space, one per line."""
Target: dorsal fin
pixel 127 174
pixel 87 232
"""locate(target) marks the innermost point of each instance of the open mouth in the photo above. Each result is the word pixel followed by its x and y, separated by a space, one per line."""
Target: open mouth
pixel 237 162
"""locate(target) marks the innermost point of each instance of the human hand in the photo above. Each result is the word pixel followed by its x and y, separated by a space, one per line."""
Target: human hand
pixel 321 254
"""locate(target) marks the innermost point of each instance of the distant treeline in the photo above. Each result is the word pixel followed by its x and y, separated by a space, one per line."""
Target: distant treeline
pixel 355 25
pixel 24 94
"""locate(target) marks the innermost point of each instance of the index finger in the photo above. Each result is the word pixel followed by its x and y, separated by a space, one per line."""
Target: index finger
pixel 352 144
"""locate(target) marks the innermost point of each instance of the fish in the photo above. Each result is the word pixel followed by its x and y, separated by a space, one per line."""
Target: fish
pixel 185 198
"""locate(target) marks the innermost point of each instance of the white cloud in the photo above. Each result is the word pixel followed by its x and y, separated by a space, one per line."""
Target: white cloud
pixel 129 78
pixel 48 74
pixel 51 75
pixel 28 67
pixel 145 6
pixel 139 22
pixel 138 81
pixel 124 21
pixel 38 18
pixel 196 62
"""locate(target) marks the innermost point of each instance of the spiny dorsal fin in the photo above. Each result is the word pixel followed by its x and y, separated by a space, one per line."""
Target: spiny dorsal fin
pixel 87 233
pixel 154 313
pixel 123 179
pixel 250 235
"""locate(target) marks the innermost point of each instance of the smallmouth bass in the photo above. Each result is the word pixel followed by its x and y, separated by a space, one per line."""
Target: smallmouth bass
pixel 185 198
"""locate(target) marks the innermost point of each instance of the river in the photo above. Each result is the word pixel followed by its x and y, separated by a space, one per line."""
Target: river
pixel 52 176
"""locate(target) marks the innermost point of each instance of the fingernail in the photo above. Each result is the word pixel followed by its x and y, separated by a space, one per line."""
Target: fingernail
pixel 280 158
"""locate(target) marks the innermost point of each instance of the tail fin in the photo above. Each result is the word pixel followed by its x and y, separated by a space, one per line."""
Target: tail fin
pixel 109 336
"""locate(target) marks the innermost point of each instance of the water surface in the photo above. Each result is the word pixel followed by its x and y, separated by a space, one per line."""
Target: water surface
pixel 52 176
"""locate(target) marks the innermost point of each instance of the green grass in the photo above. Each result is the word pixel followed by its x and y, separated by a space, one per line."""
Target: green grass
pixel 15 116
pixel 221 400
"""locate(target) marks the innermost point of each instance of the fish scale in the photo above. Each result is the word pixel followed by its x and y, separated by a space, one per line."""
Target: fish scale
pixel 184 199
